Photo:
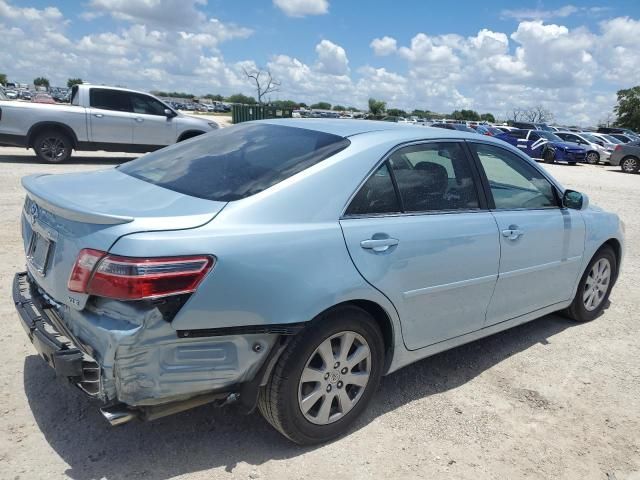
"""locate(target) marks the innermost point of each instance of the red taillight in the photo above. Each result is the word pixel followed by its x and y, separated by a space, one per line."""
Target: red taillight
pixel 128 278
pixel 618 148
pixel 83 268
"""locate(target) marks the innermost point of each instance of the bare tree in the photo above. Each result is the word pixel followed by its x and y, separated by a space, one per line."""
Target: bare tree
pixel 264 82
pixel 537 114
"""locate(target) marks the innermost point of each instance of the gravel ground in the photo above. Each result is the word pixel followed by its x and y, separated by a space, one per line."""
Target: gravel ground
pixel 550 399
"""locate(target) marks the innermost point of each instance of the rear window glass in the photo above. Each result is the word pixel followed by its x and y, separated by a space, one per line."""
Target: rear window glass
pixel 235 162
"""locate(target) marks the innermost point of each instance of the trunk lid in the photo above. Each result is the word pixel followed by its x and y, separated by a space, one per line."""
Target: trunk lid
pixel 70 212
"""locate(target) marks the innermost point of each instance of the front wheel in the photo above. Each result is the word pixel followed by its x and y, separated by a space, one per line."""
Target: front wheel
pixel 593 158
pixel 325 378
pixel 630 164
pixel 549 156
pixel 595 286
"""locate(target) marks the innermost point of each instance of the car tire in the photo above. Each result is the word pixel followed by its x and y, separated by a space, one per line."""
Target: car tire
pixel 630 164
pixel 593 158
pixel 549 156
pixel 596 283
pixel 324 387
pixel 53 146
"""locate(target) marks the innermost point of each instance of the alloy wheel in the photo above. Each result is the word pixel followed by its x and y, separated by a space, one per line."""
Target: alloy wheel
pixel 593 158
pixel 629 165
pixel 52 148
pixel 334 378
pixel 597 284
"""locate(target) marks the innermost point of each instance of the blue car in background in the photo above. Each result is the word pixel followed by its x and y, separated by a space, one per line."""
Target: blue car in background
pixel 544 145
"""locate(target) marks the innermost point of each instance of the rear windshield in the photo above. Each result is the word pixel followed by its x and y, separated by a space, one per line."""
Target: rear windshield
pixel 235 162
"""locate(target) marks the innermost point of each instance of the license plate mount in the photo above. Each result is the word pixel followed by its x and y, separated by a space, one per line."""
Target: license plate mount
pixel 39 249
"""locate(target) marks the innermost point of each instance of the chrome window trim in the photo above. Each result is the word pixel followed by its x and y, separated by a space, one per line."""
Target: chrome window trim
pixel 385 157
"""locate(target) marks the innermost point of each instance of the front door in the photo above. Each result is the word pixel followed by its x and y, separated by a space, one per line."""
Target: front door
pixel 151 124
pixel 433 249
pixel 541 244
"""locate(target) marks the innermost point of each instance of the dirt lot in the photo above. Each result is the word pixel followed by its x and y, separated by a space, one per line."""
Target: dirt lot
pixel 550 399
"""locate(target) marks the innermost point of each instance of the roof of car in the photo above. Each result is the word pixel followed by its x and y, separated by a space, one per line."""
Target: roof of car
pixel 351 127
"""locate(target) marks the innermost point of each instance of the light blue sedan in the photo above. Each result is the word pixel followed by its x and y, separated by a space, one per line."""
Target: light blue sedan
pixel 290 264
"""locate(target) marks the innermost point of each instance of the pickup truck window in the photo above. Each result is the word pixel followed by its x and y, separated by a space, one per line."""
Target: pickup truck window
pixel 75 96
pixel 110 99
pixel 146 105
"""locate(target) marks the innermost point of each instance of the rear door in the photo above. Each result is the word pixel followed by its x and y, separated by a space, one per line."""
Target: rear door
pixel 541 244
pixel 151 125
pixel 417 230
pixel 110 116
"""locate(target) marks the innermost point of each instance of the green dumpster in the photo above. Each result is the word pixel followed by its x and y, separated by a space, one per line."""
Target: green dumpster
pixel 246 113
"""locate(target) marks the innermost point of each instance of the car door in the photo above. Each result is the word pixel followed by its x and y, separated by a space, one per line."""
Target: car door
pixel 541 244
pixel 418 230
pixel 151 125
pixel 110 117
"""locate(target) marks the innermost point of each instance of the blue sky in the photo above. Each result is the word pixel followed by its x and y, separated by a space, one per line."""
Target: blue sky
pixel 489 56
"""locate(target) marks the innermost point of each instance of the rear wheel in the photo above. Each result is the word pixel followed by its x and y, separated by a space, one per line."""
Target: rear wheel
pixel 595 286
pixel 325 378
pixel 52 146
pixel 593 158
pixel 549 156
pixel 630 164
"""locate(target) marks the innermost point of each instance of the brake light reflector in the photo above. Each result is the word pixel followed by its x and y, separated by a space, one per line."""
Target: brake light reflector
pixel 128 278
pixel 618 148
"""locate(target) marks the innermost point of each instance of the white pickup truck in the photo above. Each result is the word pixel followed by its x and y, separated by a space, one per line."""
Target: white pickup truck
pixel 99 118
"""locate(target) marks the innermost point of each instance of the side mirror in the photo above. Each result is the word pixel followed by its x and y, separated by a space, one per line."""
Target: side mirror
pixel 169 113
pixel 575 200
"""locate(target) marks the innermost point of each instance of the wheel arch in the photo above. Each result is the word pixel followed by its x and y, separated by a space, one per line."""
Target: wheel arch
pixel 615 245
pixel 381 318
pixel 39 127
pixel 189 134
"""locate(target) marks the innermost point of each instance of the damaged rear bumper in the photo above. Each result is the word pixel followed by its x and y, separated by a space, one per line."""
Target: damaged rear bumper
pixel 131 358
pixel 53 342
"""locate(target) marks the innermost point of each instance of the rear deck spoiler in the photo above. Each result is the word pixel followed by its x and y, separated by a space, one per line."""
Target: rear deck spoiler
pixel 65 209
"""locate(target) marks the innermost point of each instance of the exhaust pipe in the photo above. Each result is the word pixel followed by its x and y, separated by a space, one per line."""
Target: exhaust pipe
pixel 118 414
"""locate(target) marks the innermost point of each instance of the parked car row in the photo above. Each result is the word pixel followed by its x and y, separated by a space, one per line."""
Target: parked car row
pixel 199 107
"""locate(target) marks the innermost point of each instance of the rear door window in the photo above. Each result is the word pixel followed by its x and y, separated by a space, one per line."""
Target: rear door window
pixel 110 99
pixel 434 177
pixel 377 195
pixel 235 162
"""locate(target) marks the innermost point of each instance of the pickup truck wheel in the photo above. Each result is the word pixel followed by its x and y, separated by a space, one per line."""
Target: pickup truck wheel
pixel 594 287
pixel 630 164
pixel 52 146
pixel 325 378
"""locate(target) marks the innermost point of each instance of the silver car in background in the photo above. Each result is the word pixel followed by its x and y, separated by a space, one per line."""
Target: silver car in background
pixel 290 264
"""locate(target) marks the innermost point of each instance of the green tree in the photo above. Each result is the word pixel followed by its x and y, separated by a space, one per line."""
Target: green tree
pixel 321 106
pixel 284 104
pixel 73 81
pixel 41 82
pixel 241 98
pixel 396 112
pixel 3 78
pixel 216 98
pixel 628 108
pixel 488 117
pixel 303 105
pixel 377 107
pixel 339 108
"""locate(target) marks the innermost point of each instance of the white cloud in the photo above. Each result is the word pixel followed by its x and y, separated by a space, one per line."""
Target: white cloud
pixel 384 46
pixel 521 14
pixel 302 8
pixel 572 71
pixel 332 58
